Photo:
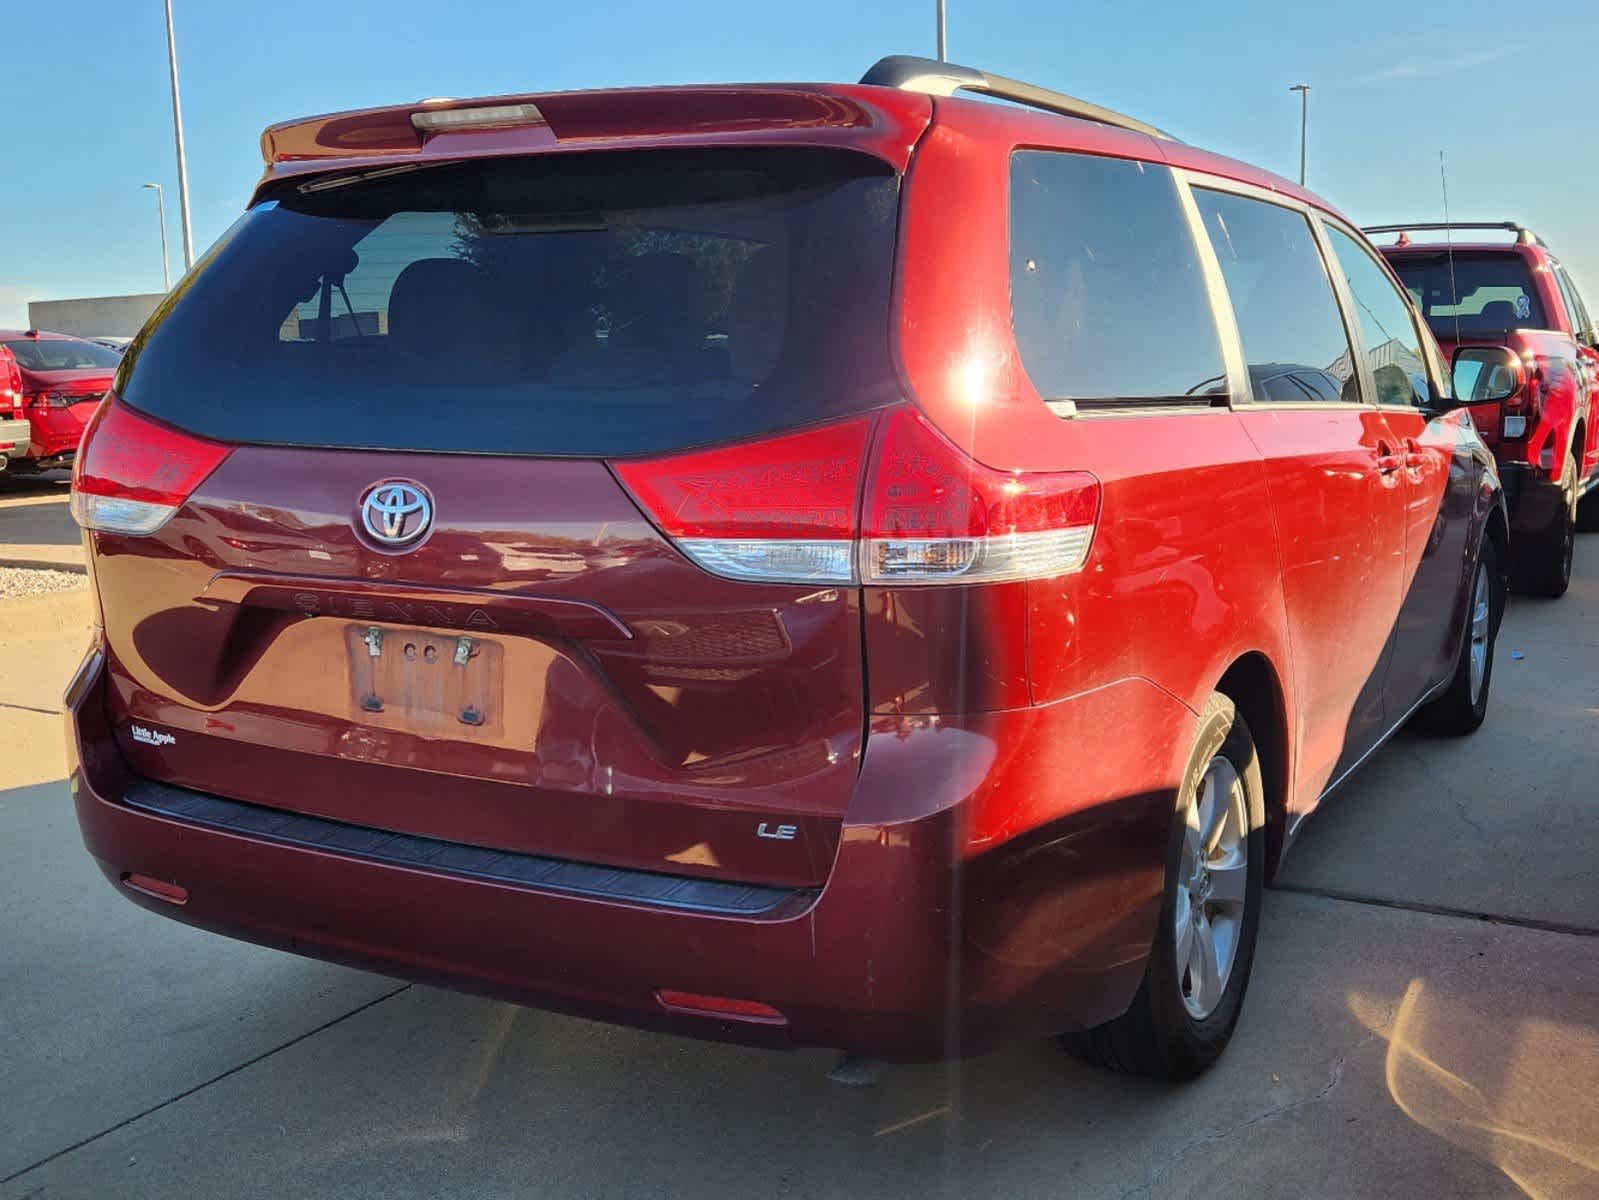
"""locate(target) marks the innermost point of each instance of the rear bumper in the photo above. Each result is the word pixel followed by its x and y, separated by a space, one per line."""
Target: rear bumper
pixel 917 947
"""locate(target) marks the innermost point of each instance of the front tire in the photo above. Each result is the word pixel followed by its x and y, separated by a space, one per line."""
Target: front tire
pixel 1461 709
pixel 1193 988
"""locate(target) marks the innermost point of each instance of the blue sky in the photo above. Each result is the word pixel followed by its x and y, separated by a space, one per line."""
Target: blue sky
pixel 84 92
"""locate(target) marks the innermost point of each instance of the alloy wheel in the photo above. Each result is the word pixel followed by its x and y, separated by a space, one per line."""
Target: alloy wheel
pixel 1212 886
pixel 1481 622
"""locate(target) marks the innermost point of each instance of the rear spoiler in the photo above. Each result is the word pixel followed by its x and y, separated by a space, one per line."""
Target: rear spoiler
pixel 393 135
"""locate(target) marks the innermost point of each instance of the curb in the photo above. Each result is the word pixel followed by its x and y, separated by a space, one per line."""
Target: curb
pixel 44 564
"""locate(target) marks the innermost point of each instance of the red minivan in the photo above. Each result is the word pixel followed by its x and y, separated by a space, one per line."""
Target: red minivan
pixel 818 565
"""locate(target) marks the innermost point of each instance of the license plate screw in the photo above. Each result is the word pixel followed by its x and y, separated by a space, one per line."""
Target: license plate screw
pixel 471 716
pixel 374 641
pixel 463 651
pixel 372 702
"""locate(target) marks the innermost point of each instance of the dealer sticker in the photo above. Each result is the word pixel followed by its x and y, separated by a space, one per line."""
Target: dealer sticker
pixel 151 737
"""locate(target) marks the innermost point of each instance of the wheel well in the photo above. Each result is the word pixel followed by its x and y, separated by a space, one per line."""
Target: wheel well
pixel 1252 685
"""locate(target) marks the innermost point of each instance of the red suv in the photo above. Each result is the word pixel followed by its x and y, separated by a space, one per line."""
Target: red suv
pixel 1545 434
pixel 821 565
pixel 55 382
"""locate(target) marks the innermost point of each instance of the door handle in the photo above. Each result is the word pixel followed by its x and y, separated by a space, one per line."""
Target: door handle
pixel 1414 458
pixel 1388 462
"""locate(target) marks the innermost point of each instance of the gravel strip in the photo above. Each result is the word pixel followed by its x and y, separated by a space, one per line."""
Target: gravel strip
pixel 35 581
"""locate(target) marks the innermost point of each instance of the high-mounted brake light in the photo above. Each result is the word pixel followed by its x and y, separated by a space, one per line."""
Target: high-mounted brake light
pixel 491 116
pixel 784 510
pixel 934 515
pixel 780 510
pixel 132 474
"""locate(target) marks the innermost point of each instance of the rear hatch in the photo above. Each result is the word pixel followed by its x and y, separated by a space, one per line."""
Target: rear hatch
pixel 415 452
pixel 1473 298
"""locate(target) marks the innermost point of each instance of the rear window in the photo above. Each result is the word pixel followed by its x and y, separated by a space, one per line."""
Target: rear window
pixel 573 304
pixel 61 354
pixel 1485 293
pixel 1108 297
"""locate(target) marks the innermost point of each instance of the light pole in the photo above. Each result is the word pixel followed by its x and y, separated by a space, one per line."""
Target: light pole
pixel 1304 124
pixel 161 209
pixel 177 128
pixel 941 36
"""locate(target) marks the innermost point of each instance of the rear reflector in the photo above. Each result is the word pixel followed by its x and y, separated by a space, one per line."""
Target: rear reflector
pixel 159 888
pixel 720 1006
pixel 133 473
pixel 935 515
pixel 780 510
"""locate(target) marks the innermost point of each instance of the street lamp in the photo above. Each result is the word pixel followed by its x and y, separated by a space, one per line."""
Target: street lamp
pixel 177 128
pixel 1304 124
pixel 161 209
pixel 941 38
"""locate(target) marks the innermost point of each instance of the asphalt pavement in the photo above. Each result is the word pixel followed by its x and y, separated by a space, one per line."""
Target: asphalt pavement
pixel 1423 1021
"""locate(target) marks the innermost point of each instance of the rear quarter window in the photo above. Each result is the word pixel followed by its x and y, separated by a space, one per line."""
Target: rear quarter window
pixel 1108 298
pixel 591 304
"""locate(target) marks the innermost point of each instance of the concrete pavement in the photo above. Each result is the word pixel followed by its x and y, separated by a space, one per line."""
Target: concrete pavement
pixel 1385 1050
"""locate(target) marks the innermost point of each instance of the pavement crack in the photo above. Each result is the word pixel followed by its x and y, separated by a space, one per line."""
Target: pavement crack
pixel 48 712
pixel 199 1087
pixel 1335 1076
pixel 1437 910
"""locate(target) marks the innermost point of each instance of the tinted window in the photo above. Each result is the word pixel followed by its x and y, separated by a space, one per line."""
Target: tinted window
pixel 1393 345
pixel 1574 306
pixel 1288 318
pixel 587 304
pixel 1107 295
pixel 1484 293
pixel 61 354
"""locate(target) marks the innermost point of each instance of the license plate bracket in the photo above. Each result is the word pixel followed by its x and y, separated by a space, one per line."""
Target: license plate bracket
pixel 425 680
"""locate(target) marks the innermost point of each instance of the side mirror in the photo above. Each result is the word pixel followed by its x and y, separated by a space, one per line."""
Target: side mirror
pixel 1487 374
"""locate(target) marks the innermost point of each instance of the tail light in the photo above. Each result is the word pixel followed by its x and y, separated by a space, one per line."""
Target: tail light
pixel 789 509
pixel 132 473
pixel 934 515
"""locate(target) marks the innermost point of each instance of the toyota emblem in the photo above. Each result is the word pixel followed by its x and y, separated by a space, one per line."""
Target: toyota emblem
pixel 396 514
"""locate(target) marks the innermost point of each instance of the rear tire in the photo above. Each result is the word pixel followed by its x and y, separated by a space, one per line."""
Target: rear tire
pixel 1186 1008
pixel 1461 709
pixel 1543 564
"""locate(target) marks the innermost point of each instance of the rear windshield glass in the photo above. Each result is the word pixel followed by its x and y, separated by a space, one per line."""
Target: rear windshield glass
pixel 61 354
pixel 1489 292
pixel 575 304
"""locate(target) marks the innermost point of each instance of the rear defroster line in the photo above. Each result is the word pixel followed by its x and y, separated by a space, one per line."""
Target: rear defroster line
pixel 1436 910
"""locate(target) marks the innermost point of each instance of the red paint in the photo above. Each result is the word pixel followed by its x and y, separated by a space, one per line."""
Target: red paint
pixel 979 776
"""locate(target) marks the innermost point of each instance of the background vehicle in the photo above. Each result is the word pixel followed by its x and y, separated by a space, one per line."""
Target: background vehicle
pixel 781 635
pixel 15 432
pixel 1546 435
pixel 61 380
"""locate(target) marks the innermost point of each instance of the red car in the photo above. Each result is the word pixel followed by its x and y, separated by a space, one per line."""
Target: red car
pixel 822 565
pixel 56 383
pixel 1545 436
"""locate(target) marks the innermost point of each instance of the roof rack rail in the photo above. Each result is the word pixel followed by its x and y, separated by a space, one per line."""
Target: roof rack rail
pixel 1524 236
pixel 910 73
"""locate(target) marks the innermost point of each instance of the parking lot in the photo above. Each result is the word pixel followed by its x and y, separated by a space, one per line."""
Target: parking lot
pixel 1422 1020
